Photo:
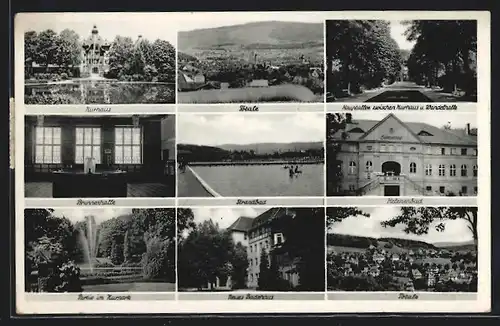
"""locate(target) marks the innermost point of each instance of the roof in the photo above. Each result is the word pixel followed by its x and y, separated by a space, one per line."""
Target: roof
pixel 243 223
pixel 268 215
pixel 358 129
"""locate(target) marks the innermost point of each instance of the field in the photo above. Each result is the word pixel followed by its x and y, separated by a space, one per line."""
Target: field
pixel 339 249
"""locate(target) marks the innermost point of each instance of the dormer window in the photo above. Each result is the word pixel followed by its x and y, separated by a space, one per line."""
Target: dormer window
pixel 357 130
pixel 424 133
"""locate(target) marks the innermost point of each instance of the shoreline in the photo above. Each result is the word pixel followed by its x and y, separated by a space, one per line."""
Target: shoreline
pixel 256 163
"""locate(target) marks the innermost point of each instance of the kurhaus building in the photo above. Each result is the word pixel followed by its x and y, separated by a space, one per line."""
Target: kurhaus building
pixel 396 158
pixel 105 156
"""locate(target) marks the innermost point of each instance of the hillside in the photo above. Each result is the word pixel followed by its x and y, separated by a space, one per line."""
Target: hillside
pixel 270 148
pixel 344 240
pixel 457 246
pixel 257 34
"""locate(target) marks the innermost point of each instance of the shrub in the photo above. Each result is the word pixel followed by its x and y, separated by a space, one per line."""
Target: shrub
pixel 69 278
pixel 155 261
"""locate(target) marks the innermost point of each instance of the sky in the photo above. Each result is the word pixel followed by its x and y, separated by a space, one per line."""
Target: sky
pixel 397 33
pixel 237 18
pixel 100 214
pixel 455 231
pixel 437 119
pixel 224 216
pixel 108 25
pixel 219 129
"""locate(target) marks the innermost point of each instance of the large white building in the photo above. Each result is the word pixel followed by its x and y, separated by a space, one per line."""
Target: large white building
pixel 396 158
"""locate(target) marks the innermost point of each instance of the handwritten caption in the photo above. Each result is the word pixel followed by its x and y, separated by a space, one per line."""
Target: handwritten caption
pixel 401 107
pixel 405 201
pixel 249 296
pixel 109 202
pixel 251 202
pixel 98 109
pixel 91 297
pixel 406 296
pixel 249 108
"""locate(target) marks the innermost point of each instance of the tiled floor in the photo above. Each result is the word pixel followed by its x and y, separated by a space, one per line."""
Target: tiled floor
pixel 44 190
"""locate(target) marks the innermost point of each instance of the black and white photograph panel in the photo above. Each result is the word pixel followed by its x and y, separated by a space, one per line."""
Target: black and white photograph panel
pixel 238 155
pixel 405 154
pixel 401 61
pixel 423 249
pixel 99 59
pixel 251 249
pixel 99 250
pixel 99 156
pixel 246 60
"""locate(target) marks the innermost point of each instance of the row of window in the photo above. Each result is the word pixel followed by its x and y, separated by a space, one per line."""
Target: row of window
pixel 127 146
pixel 442 189
pixel 428 149
pixel 428 169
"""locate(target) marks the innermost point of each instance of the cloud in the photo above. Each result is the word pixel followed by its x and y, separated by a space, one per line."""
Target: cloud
pixel 217 129
pixel 455 231
pixel 100 214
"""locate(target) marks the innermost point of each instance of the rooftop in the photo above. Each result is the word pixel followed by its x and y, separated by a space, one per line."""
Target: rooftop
pixel 426 133
pixel 243 223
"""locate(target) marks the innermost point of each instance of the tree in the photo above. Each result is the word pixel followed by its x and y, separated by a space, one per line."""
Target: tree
pixel 48 49
pixel 30 50
pixel 203 255
pixel 116 253
pixel 338 214
pixel 264 281
pixel 185 222
pixel 119 54
pixel 417 220
pixel 239 262
pixel 335 131
pixel 69 53
pixel 126 250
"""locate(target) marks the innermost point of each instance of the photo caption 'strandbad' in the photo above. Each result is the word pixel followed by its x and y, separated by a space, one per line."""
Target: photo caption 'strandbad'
pixel 189 161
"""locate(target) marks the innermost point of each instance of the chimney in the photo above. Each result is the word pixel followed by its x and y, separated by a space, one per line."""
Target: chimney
pixel 468 129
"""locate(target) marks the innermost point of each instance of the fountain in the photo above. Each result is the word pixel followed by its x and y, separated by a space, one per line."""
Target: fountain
pixel 89 241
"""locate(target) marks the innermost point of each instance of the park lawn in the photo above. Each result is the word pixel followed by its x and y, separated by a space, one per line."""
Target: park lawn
pixel 131 287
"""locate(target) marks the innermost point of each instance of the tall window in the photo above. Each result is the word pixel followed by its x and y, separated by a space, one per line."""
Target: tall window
pixel 128 145
pixel 352 167
pixel 428 169
pixel 441 170
pixel 413 167
pixel 88 144
pixel 443 151
pixel 382 147
pixel 474 170
pixel 369 166
pixel 47 145
pixel 453 151
pixel 453 170
pixel 463 170
pixel 428 150
pixel 463 151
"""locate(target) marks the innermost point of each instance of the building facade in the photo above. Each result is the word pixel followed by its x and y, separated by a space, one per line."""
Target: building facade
pixel 395 158
pixel 95 53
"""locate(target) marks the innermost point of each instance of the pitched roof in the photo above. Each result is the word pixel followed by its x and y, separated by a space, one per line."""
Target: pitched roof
pixel 268 215
pixel 243 223
pixel 438 135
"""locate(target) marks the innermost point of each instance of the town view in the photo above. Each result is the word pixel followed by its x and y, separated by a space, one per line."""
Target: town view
pixel 402 249
pixel 267 61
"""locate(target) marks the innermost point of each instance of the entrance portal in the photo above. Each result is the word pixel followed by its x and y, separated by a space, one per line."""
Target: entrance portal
pixel 391 167
pixel 391 190
pixel 95 70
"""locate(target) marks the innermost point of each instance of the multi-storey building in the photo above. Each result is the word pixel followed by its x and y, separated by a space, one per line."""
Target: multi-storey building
pixel 395 158
pixel 263 233
pixel 95 55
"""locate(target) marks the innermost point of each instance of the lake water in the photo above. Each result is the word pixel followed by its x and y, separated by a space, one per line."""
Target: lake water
pixel 100 92
pixel 263 180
